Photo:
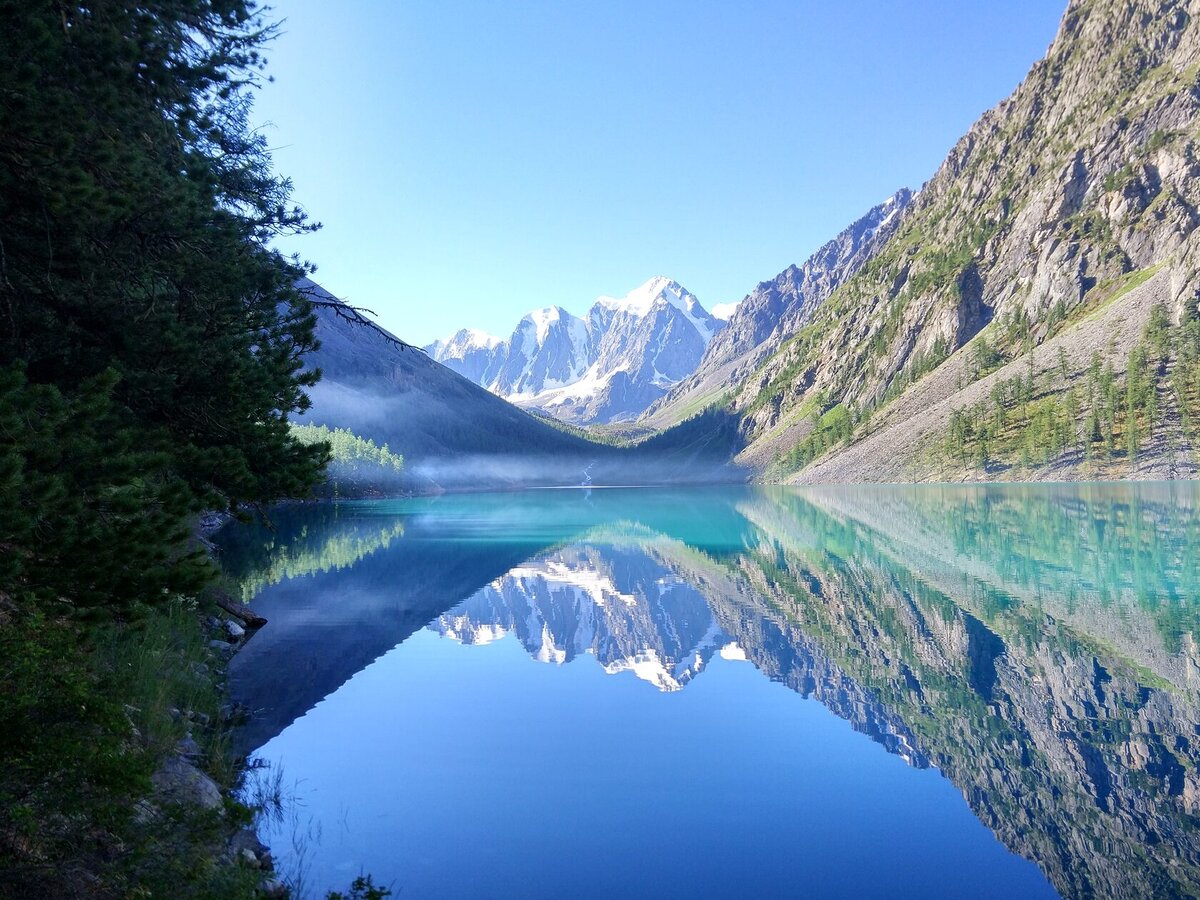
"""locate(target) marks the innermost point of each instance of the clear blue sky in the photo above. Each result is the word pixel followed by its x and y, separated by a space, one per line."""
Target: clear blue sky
pixel 472 161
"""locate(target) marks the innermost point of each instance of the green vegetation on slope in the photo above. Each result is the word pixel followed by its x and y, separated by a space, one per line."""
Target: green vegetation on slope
pixel 1029 421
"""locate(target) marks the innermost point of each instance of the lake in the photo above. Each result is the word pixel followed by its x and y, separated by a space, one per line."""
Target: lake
pixel 926 691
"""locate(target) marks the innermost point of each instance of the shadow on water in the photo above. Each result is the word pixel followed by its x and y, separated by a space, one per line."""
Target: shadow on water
pixel 1036 645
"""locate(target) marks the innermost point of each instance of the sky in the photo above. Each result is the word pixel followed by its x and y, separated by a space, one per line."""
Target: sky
pixel 471 161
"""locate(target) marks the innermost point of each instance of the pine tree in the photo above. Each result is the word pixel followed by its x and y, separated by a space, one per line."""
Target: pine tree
pixel 137 206
pixel 151 342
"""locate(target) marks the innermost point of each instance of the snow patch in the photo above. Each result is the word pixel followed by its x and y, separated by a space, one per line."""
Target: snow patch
pixel 660 289
pixel 543 319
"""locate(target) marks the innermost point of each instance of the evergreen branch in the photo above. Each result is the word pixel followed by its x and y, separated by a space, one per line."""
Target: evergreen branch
pixel 355 315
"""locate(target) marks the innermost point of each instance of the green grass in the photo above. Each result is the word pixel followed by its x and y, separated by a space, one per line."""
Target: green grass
pixel 90 711
pixel 1109 292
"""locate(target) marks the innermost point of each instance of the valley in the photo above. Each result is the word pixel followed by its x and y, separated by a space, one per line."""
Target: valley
pixel 617 589
pixel 1054 230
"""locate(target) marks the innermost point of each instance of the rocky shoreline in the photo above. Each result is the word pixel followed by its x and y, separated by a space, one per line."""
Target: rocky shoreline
pixel 185 779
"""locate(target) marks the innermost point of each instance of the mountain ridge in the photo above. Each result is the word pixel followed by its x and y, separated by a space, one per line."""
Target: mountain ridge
pixel 777 308
pixel 1063 200
pixel 604 366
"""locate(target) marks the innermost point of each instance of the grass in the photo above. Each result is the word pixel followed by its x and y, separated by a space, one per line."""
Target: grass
pixel 697 404
pixel 1109 292
pixel 91 711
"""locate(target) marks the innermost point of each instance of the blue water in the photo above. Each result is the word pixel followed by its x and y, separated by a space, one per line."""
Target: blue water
pixel 869 692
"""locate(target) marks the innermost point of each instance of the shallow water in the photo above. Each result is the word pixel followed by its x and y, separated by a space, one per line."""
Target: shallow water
pixel 853 692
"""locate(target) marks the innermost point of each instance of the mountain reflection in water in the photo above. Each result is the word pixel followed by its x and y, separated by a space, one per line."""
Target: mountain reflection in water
pixel 1035 645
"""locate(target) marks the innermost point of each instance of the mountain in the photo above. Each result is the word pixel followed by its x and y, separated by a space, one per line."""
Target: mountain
pixel 607 366
pixel 450 431
pixel 1029 315
pixel 775 310
pixel 473 352
pixel 455 435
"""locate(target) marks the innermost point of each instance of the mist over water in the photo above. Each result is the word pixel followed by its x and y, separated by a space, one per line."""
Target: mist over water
pixel 446 449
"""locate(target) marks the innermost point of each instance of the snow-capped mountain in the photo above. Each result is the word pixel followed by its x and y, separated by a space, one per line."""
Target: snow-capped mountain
pixel 474 350
pixel 623 607
pixel 608 365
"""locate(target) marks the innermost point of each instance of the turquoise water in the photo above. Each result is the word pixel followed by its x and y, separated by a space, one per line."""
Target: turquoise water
pixel 764 692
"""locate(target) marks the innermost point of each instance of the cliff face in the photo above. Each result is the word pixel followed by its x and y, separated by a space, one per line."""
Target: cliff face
pixel 1037 218
pixel 777 309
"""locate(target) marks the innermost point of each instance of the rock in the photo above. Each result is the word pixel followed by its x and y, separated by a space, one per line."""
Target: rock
pixel 178 781
pixel 248 857
pixel 247 839
pixel 144 812
pixel 221 646
pixel 273 887
pixel 235 631
pixel 198 717
pixel 234 713
pixel 188 748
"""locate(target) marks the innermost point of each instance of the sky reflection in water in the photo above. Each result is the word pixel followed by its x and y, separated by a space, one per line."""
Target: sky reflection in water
pixel 925 691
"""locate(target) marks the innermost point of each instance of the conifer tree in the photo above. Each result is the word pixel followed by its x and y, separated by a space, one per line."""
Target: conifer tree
pixel 146 327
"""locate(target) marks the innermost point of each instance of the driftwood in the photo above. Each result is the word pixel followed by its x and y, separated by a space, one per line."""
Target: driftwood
pixel 239 611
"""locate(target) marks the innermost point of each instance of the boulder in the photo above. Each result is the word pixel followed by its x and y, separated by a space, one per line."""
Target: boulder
pixel 178 781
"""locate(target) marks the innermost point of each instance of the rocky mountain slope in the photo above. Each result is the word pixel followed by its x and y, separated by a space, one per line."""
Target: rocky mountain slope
pixel 606 366
pixel 450 431
pixel 1054 251
pixel 775 310
pixel 455 435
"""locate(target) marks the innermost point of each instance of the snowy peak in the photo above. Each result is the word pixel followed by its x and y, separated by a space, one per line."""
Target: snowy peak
pixel 661 291
pixel 465 340
pixel 609 365
pixel 640 300
pixel 473 351
pixel 545 319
